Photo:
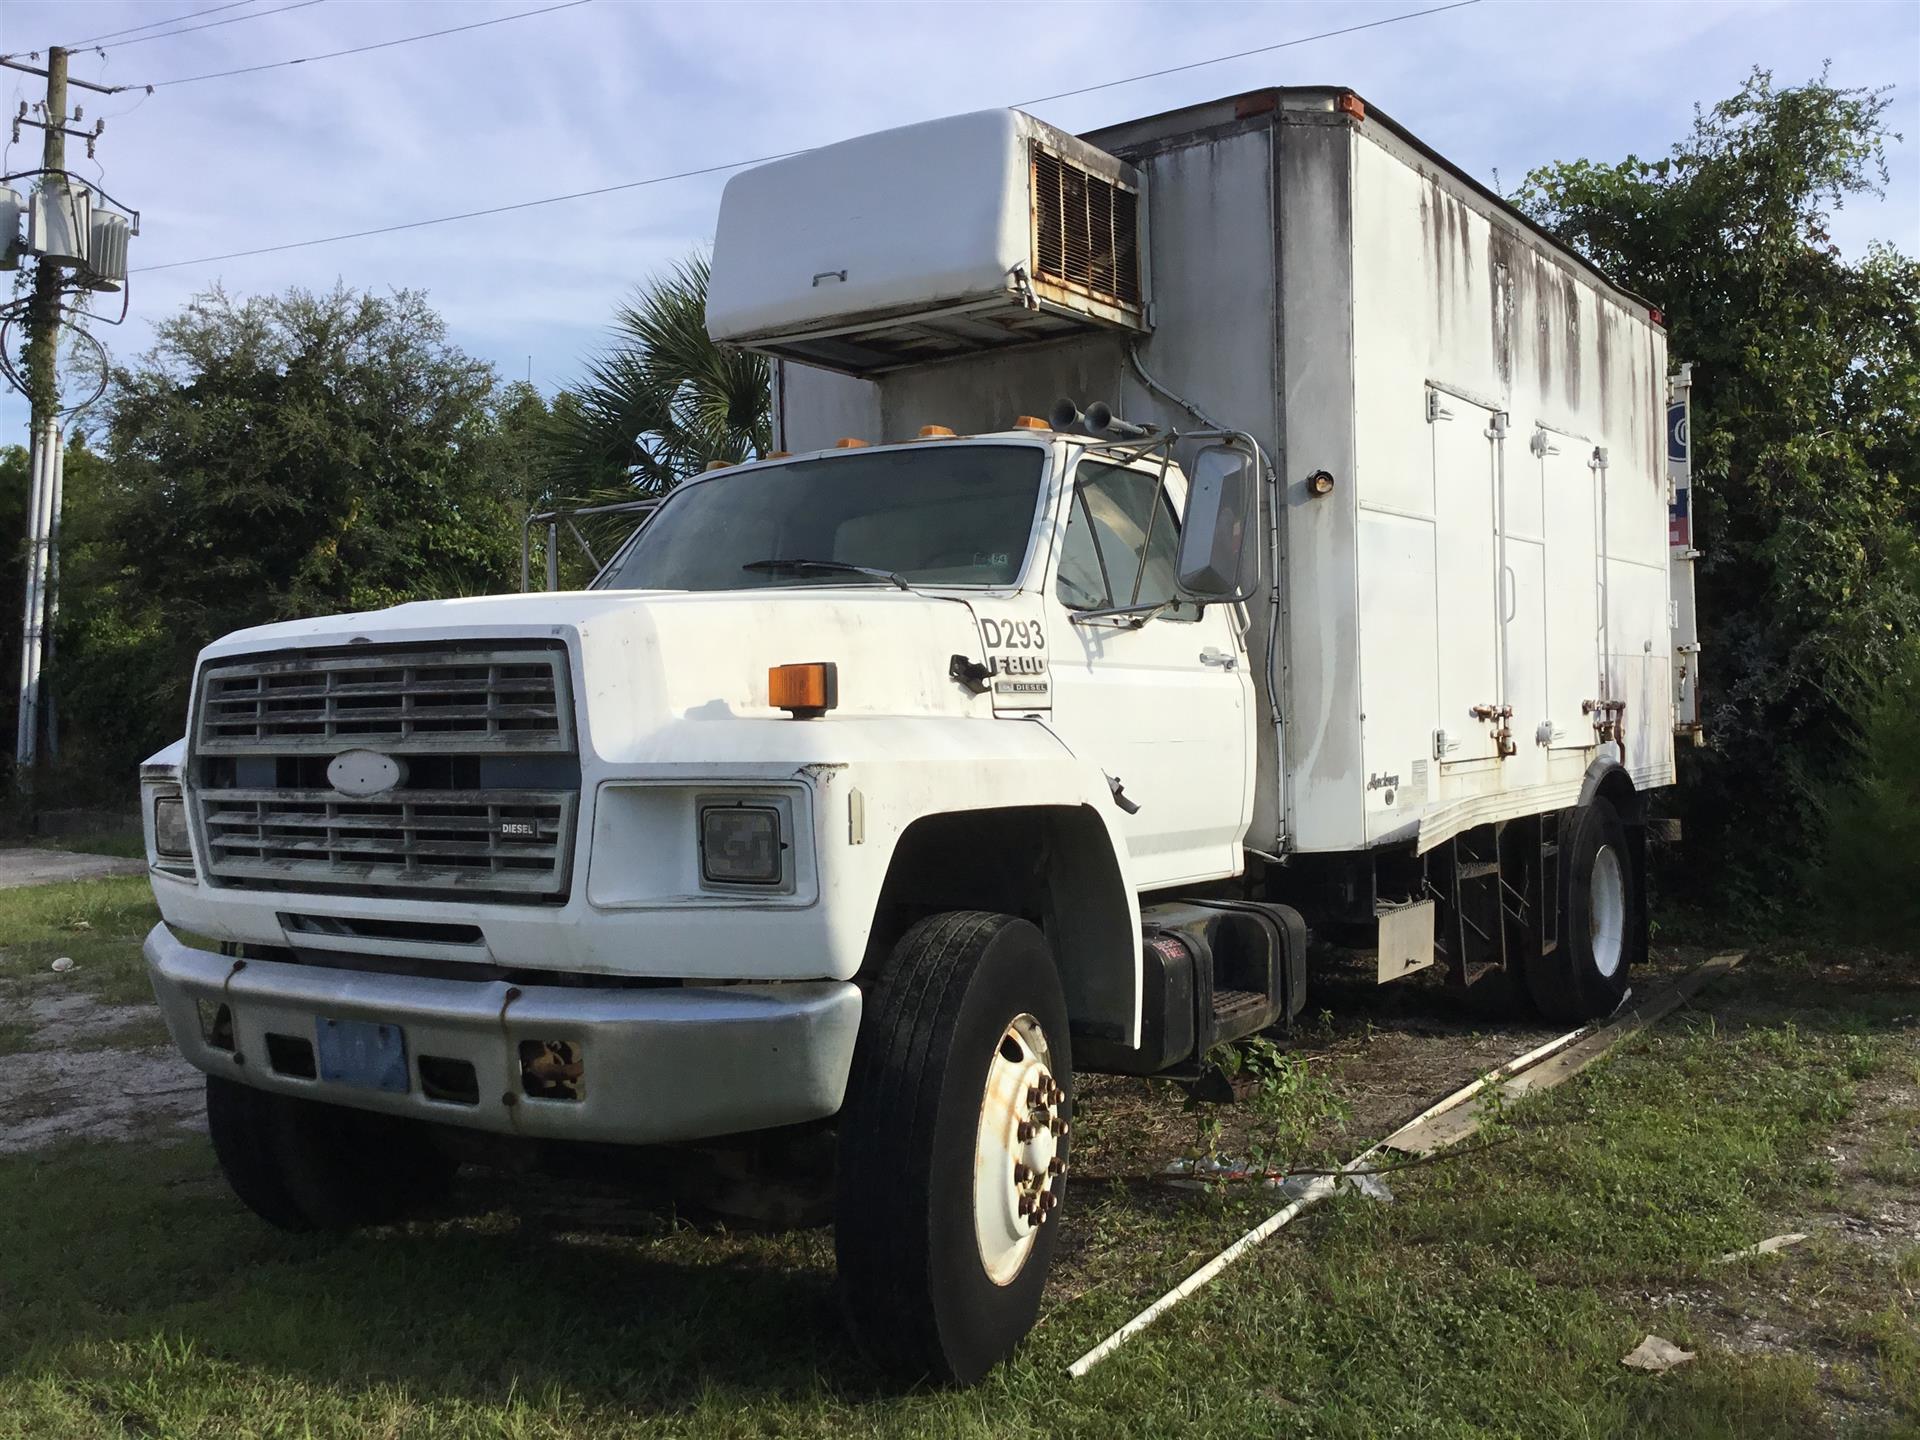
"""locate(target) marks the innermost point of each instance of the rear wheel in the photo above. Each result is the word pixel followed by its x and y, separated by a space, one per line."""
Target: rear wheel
pixel 953 1147
pixel 300 1165
pixel 1585 977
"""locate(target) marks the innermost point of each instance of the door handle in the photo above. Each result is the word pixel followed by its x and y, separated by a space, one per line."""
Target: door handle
pixel 1212 656
pixel 1510 588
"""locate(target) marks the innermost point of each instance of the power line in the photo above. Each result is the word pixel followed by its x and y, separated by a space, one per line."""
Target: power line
pixel 1243 54
pixel 380 45
pixel 476 214
pixel 154 24
pixel 735 164
pixel 211 24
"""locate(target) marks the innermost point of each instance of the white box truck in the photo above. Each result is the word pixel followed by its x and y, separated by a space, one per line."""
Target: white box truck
pixel 978 736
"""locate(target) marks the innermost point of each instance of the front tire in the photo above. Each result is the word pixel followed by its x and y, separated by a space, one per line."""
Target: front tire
pixel 301 1166
pixel 1601 920
pixel 953 1147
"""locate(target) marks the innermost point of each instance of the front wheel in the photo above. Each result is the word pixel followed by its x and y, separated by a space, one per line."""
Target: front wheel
pixel 1601 920
pixel 301 1165
pixel 953 1147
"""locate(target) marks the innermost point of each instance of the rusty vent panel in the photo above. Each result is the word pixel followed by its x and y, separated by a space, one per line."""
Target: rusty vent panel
pixel 1086 231
pixel 504 843
pixel 508 701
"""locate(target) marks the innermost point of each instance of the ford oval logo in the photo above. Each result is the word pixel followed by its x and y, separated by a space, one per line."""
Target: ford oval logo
pixel 361 773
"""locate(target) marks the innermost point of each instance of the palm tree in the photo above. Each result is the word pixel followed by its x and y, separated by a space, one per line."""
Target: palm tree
pixel 661 403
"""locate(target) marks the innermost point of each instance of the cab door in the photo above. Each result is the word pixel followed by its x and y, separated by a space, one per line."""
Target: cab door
pixel 1161 700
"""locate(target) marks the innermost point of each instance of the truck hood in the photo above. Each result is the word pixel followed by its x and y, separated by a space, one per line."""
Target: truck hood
pixel 645 660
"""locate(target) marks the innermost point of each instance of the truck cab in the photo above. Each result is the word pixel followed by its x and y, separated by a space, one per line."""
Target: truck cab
pixel 624 865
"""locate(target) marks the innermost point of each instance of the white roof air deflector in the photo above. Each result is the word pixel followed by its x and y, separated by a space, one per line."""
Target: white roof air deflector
pixel 941 239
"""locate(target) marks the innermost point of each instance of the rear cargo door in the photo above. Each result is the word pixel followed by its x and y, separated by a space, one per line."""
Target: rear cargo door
pixel 1570 496
pixel 1523 612
pixel 1467 599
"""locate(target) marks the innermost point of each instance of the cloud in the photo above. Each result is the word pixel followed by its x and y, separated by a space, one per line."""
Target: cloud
pixel 610 92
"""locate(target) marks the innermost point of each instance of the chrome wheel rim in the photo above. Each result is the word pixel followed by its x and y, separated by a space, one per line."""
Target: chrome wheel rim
pixel 1607 911
pixel 1019 1167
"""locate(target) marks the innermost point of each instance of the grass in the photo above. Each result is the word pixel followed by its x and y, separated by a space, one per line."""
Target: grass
pixel 1494 1297
pixel 99 924
pixel 125 842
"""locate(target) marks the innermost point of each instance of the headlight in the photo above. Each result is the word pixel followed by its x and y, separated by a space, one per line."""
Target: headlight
pixel 740 845
pixel 170 828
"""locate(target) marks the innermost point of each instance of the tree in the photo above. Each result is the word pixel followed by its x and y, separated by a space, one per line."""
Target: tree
pixel 273 458
pixel 1806 439
pixel 662 402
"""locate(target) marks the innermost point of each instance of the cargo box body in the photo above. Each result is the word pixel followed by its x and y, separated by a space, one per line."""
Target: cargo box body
pixel 1480 606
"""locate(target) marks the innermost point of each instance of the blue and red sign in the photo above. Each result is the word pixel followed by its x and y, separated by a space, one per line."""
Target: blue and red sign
pixel 1680 469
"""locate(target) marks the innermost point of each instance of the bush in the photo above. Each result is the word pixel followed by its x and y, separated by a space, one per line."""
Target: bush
pixel 1870 876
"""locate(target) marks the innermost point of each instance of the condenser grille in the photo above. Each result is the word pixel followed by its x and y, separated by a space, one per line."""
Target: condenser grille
pixel 1086 233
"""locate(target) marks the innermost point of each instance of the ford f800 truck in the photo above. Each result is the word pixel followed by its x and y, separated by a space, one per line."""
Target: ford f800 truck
pixel 1224 524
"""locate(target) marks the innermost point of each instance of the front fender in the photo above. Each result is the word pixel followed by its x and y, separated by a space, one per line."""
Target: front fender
pixel 869 780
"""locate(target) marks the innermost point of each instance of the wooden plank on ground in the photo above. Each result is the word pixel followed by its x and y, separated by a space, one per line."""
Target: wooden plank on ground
pixel 1423 1137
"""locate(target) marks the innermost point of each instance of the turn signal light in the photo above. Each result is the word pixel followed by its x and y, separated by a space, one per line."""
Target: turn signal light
pixel 1031 422
pixel 805 691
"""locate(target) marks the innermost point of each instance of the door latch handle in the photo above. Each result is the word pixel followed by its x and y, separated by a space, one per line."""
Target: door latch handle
pixel 1212 656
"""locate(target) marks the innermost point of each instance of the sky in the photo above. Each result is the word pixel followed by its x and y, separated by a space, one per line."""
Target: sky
pixel 611 91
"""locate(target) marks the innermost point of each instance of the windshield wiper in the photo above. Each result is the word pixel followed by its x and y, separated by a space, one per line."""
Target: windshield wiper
pixel 837 567
pixel 1134 615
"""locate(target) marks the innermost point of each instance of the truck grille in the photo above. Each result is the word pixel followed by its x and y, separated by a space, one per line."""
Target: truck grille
pixel 498 840
pixel 490 787
pixel 484 700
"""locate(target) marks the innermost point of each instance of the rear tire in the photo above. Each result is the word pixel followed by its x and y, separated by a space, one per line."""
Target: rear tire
pixel 300 1165
pixel 953 1147
pixel 1601 920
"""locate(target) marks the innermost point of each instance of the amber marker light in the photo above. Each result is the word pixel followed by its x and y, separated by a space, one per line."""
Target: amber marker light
pixel 804 691
pixel 1031 422
pixel 849 442
pixel 935 432
pixel 1351 104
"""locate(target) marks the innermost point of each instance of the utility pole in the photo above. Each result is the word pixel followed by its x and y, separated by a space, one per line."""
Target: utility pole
pixel 42 359
pixel 65 232
pixel 43 310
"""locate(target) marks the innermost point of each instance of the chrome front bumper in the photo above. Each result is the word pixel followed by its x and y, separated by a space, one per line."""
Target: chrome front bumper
pixel 664 1064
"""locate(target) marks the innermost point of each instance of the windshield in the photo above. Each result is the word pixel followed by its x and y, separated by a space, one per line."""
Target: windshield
pixel 938 515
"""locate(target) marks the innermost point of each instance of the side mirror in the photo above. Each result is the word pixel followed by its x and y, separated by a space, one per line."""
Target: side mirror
pixel 1218 562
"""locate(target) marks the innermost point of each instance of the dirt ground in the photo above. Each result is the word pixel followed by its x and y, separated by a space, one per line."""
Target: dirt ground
pixel 67 1084
pixel 24 865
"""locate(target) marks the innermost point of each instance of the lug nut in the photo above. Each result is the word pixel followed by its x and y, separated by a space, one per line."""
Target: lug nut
pixel 1022 1173
pixel 1056 1166
pixel 1025 1131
